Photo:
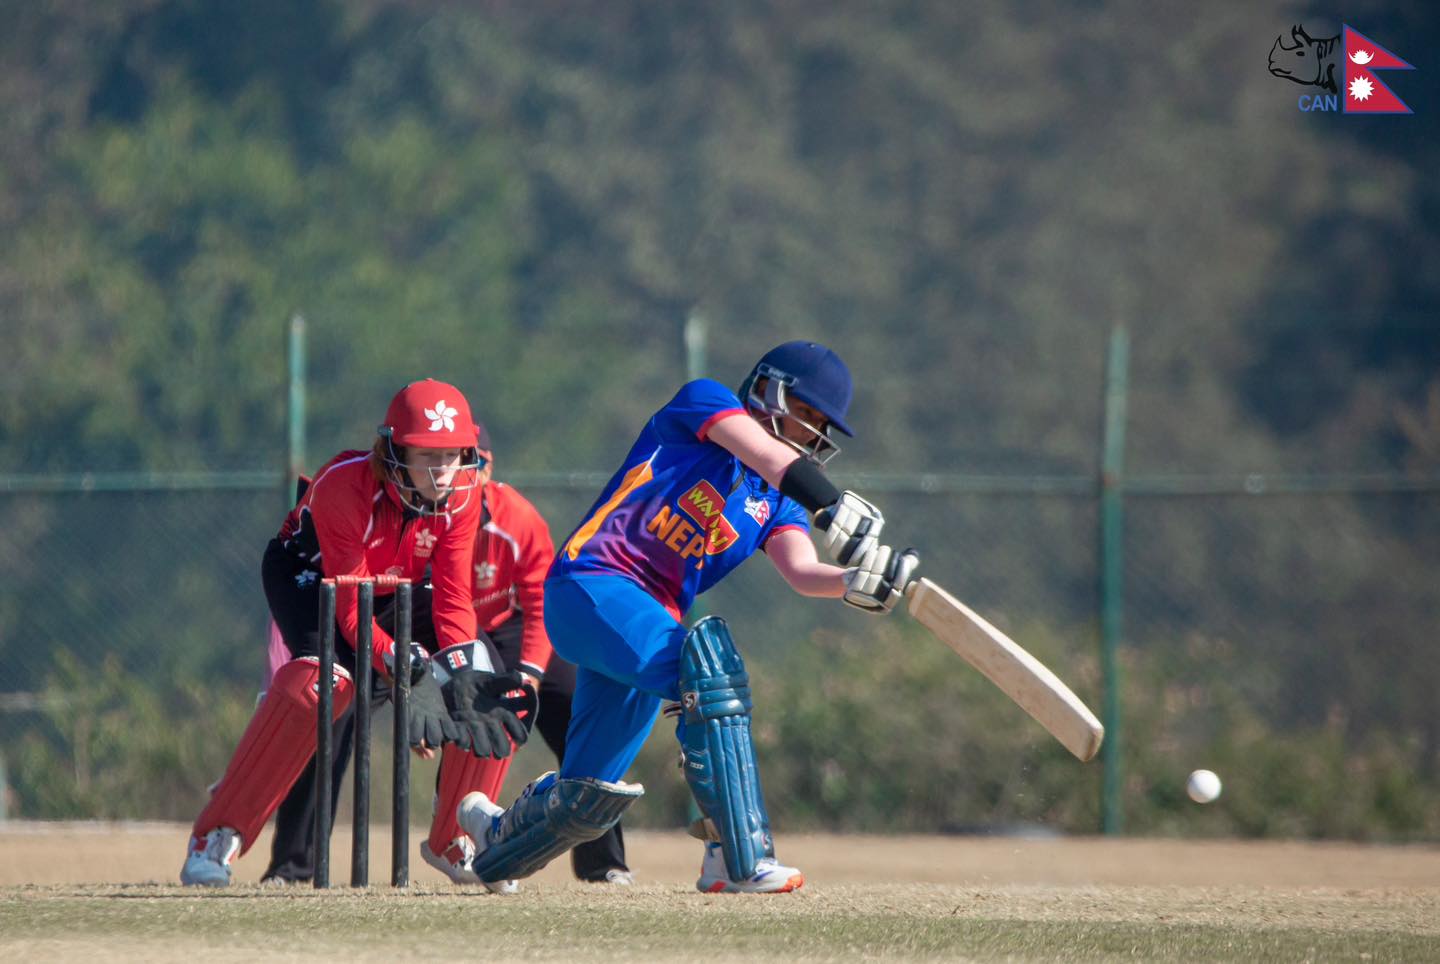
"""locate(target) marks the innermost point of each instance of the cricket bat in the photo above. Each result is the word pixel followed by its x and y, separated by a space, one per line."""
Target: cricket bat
pixel 1005 663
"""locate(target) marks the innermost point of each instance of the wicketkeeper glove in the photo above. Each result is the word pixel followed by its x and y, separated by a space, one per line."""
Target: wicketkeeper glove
pixel 475 699
pixel 430 722
pixel 852 528
pixel 419 663
pixel 524 703
pixel 879 582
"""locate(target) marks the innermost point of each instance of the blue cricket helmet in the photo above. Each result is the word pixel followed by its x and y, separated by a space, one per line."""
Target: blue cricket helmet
pixel 812 373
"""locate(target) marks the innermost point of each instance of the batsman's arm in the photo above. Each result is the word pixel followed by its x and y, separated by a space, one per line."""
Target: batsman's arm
pixel 793 555
pixel 850 524
pixel 742 437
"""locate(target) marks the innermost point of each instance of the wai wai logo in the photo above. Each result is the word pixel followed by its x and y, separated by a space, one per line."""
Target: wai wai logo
pixel 1349 58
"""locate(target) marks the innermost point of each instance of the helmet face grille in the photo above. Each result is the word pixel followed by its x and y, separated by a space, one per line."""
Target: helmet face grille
pixel 463 482
pixel 775 406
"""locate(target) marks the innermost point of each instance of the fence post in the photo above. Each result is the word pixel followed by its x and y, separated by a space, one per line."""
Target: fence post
pixel 296 408
pixel 695 346
pixel 1112 573
pixel 695 338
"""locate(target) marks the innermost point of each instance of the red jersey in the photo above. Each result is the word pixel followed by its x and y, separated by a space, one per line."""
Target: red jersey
pixel 512 553
pixel 363 529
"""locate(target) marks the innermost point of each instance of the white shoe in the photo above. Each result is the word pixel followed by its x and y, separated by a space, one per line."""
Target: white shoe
pixel 476 814
pixel 454 862
pixel 617 876
pixel 770 877
pixel 207 862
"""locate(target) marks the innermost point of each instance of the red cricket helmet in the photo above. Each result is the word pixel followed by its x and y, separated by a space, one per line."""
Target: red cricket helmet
pixel 430 414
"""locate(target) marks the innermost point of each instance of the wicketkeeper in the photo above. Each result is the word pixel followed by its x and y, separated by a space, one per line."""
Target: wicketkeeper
pixel 711 479
pixel 513 550
pixel 408 505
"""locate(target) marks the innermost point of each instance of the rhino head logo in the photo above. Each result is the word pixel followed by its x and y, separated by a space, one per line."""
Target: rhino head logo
pixel 1307 61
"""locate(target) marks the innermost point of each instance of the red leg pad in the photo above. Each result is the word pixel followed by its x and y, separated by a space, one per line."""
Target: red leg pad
pixel 462 772
pixel 278 742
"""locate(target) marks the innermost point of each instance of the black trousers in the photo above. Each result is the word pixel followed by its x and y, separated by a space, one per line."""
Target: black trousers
pixel 294 602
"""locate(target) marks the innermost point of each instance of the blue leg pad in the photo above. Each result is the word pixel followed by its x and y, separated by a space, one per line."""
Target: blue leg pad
pixel 719 752
pixel 550 816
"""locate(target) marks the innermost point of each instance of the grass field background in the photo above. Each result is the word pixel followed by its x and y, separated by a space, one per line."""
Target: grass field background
pixel 90 891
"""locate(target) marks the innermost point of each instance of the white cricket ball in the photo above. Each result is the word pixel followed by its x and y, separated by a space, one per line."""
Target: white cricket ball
pixel 1203 786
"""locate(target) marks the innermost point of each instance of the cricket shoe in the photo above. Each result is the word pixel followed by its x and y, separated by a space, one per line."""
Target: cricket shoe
pixel 207 862
pixel 770 877
pixel 476 814
pixel 273 882
pixel 455 862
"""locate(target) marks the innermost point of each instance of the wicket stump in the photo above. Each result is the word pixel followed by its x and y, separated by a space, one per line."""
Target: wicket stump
pixel 324 752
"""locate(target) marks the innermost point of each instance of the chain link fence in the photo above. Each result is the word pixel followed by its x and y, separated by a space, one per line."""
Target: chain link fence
pixel 1281 638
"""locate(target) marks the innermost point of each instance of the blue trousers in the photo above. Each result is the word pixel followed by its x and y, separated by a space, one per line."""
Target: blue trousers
pixel 627 650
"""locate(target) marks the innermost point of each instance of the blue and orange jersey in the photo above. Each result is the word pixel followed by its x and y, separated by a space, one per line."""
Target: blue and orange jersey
pixel 681 512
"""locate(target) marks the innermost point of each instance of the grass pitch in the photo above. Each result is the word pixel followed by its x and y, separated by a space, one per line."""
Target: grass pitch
pixel 653 922
pixel 866 899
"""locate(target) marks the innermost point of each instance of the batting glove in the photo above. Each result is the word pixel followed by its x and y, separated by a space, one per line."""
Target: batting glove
pixel 879 582
pixel 852 528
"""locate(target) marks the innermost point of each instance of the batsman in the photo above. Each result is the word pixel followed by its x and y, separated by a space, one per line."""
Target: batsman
pixel 714 476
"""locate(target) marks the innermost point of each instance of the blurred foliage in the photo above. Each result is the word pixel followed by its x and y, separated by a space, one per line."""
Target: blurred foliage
pixel 111 745
pixel 1316 779
pixel 964 204
pixel 529 199
pixel 838 752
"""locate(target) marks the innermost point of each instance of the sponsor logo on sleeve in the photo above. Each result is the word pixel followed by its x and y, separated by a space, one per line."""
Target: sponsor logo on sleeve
pixel 757 509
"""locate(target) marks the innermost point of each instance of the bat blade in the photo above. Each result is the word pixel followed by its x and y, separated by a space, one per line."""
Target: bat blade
pixel 1005 663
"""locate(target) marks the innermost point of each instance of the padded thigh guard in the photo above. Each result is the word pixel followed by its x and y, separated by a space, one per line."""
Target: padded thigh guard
pixel 551 816
pixel 719 752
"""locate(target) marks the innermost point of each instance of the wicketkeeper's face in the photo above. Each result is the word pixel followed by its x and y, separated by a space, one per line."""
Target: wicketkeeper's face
pixel 433 470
